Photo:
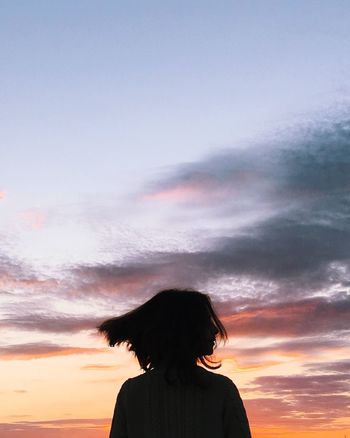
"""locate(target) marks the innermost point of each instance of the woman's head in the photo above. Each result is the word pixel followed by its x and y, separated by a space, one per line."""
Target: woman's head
pixel 175 328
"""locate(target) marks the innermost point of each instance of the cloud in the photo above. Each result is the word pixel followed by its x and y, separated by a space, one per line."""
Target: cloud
pixel 75 428
pixel 110 279
pixel 294 318
pixel 33 218
pixel 87 422
pixel 304 164
pixel 311 414
pixel 314 400
pixel 50 323
pixel 16 275
pixel 243 312
pixel 277 264
pixel 299 246
pixel 342 366
pixel 309 317
pixel 10 267
pixel 314 385
pixel 298 184
pixel 231 176
pixel 184 192
pixel 299 260
pixel 274 353
pixel 2 194
pixel 39 350
pixel 98 367
pixel 284 249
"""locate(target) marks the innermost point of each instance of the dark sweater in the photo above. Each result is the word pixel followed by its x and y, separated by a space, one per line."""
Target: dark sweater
pixel 147 407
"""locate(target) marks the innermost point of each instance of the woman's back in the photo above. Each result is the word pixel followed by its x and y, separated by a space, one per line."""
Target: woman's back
pixel 148 407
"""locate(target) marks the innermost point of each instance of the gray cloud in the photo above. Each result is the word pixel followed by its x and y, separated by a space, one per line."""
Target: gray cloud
pixel 317 412
pixel 305 317
pixel 301 243
pixel 49 323
pixel 306 346
pixel 301 182
pixel 340 366
pixel 303 164
pixel 316 400
pixel 282 249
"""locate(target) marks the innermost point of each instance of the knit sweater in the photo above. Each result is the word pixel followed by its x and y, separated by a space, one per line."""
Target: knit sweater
pixel 147 407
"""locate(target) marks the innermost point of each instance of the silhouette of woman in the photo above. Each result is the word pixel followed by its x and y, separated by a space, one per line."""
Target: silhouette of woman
pixel 174 397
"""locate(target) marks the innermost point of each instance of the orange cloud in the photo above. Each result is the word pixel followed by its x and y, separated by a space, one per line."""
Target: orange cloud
pixel 74 428
pixel 2 194
pixel 99 428
pixel 248 366
pixel 98 367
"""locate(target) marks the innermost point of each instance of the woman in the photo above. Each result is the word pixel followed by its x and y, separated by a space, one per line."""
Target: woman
pixel 174 397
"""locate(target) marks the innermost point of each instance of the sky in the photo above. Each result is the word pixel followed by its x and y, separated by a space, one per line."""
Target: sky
pixel 147 145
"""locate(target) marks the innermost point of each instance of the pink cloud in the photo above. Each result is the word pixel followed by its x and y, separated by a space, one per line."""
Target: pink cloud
pixel 172 194
pixel 301 401
pixel 39 350
pixel 10 281
pixel 309 316
pixel 33 218
pixel 206 187
pixel 196 187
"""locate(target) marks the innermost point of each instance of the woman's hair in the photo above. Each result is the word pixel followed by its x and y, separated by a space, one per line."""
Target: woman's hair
pixel 170 330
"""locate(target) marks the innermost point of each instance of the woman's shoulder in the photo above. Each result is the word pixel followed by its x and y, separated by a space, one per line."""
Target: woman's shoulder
pixel 218 379
pixel 221 382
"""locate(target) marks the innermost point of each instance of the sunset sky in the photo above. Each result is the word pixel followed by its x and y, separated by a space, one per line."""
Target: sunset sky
pixel 156 144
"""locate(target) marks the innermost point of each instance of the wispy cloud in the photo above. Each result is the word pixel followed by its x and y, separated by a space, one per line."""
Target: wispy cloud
pixel 315 399
pixel 342 366
pixel 73 427
pixel 98 367
pixel 304 317
pixel 300 246
pixel 15 275
pixel 38 350
pixel 33 218
pixel 300 185
pixel 50 323
pixel 302 165
pixel 276 264
pixel 273 353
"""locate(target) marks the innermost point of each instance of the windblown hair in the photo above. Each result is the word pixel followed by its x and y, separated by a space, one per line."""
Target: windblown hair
pixel 168 330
